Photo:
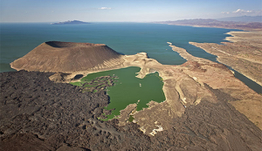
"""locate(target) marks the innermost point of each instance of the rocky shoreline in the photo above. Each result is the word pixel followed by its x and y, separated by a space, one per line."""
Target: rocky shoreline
pixel 96 85
pixel 243 53
pixel 38 114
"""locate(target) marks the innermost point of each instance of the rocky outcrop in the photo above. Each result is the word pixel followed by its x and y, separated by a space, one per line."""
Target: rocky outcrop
pixel 68 57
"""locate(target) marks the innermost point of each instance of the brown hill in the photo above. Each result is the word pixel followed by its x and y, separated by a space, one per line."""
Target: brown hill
pixel 67 57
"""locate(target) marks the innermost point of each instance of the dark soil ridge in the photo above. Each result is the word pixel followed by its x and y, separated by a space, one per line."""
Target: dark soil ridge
pixel 38 114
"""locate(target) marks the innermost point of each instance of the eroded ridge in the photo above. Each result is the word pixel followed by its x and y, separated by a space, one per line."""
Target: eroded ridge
pixel 219 77
pixel 243 55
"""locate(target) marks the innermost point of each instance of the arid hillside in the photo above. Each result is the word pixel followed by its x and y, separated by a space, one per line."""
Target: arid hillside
pixel 67 57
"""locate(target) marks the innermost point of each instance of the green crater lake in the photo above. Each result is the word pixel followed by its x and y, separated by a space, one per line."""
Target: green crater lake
pixel 128 89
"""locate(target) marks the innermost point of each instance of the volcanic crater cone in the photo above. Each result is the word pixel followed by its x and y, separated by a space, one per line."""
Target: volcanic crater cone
pixel 68 57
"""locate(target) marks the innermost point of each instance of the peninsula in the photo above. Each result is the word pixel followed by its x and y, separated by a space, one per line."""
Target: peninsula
pixel 243 53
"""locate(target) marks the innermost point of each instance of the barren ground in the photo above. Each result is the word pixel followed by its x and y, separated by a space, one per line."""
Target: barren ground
pixel 244 54
pixel 38 114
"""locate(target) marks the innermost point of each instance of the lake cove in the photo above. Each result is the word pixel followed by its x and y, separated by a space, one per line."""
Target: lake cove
pixel 124 88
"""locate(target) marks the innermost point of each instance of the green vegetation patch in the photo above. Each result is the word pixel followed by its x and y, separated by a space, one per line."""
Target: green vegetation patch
pixel 131 118
pixel 76 83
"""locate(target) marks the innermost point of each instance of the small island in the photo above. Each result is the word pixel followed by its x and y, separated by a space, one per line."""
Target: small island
pixel 70 22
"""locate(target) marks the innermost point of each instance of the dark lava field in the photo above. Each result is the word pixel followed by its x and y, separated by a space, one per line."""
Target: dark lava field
pixel 38 114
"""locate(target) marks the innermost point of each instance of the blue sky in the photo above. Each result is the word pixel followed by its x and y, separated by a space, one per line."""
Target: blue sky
pixel 123 10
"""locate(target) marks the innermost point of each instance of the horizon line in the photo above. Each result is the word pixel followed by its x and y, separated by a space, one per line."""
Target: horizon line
pixel 120 21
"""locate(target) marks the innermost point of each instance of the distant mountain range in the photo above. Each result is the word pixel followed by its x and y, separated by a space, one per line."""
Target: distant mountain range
pixel 243 19
pixel 230 24
pixel 70 22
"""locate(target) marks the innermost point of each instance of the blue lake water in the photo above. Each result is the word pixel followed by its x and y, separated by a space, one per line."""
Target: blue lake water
pixel 128 38
pixel 17 39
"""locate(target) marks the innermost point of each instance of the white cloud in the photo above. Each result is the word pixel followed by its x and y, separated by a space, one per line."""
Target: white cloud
pixel 104 8
pixel 225 12
pixel 244 12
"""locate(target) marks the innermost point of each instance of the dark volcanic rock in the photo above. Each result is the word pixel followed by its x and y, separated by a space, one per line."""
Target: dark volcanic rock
pixel 37 111
pixel 38 114
pixel 32 103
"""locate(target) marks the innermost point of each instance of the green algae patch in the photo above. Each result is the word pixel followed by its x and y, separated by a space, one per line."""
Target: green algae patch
pixel 131 89
pixel 76 83
pixel 124 88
